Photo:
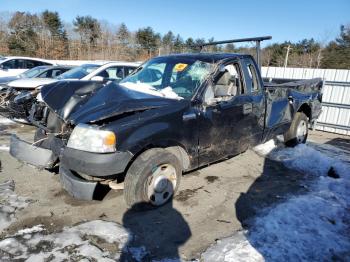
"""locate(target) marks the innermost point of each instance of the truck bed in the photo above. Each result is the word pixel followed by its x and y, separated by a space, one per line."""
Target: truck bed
pixel 306 85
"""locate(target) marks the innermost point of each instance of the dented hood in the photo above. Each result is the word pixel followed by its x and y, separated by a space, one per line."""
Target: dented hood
pixel 89 101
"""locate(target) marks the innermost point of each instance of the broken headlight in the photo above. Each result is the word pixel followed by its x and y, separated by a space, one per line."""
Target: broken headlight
pixel 91 139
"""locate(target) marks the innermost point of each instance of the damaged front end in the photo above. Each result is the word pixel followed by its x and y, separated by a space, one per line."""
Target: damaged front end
pixel 49 140
pixel 70 106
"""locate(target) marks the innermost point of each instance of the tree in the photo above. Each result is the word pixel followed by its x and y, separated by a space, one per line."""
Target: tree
pixel 123 35
pixel 229 48
pixel 147 40
pixel 337 53
pixel 53 23
pixel 168 42
pixel 88 28
pixel 58 45
pixel 23 39
pixel 189 45
pixel 199 41
pixel 178 44
pixel 124 47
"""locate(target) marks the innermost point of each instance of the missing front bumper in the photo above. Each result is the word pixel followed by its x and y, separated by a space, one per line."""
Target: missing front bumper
pixel 31 154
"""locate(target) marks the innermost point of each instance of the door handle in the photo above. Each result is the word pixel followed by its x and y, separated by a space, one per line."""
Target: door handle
pixel 247 108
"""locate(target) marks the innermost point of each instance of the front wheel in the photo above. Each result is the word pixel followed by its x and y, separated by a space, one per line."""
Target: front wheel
pixel 152 179
pixel 298 130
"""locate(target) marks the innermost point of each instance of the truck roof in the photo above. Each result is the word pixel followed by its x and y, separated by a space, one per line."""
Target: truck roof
pixel 208 57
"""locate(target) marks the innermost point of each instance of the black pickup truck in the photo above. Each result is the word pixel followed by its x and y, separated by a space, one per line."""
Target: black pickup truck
pixel 173 114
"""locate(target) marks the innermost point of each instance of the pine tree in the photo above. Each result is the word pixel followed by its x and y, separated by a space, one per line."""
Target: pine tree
pixel 23 39
pixel 337 53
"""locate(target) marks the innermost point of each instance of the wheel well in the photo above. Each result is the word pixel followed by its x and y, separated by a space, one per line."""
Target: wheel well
pixel 181 154
pixel 306 109
pixel 177 150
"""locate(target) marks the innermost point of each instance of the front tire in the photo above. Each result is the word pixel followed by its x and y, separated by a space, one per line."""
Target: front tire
pixel 152 179
pixel 298 130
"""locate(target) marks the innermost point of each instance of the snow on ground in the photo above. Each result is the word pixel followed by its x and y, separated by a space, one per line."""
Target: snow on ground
pixel 166 92
pixel 95 240
pixel 4 148
pixel 6 121
pixel 9 204
pixel 308 227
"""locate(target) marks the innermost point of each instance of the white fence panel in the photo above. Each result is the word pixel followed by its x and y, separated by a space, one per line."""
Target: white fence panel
pixel 335 116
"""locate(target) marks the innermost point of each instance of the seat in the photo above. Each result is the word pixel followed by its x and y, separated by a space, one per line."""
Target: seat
pixel 225 86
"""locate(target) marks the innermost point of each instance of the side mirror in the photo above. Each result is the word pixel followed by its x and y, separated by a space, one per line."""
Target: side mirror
pixel 97 78
pixel 1 66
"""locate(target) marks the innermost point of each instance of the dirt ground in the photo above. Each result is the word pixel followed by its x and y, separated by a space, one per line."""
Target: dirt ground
pixel 212 202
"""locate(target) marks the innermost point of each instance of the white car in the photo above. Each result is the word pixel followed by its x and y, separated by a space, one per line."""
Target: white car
pixel 15 65
pixel 97 72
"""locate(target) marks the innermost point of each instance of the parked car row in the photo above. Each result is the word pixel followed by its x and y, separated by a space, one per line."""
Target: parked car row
pixel 172 114
pixel 17 96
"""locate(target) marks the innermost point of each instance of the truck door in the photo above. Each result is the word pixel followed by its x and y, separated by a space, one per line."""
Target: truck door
pixel 227 117
pixel 255 101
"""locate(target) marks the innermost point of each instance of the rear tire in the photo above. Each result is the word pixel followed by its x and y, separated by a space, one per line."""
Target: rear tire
pixel 152 179
pixel 298 130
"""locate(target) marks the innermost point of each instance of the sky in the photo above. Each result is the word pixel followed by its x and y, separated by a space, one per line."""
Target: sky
pixel 221 19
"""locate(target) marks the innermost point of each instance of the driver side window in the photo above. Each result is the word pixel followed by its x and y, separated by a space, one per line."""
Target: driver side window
pixel 227 84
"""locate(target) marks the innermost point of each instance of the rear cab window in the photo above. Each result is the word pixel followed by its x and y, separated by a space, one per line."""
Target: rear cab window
pixel 251 76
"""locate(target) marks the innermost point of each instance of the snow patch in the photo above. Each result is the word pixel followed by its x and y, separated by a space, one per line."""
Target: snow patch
pixel 95 240
pixel 4 148
pixel 34 229
pixel 264 149
pixel 310 227
pixel 9 204
pixel 235 248
pixel 166 92
pixel 6 121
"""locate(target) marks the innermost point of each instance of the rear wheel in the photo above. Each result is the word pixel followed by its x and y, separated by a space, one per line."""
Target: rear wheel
pixel 298 130
pixel 152 179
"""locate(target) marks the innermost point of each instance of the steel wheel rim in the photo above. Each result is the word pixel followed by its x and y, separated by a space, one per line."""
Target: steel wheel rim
pixel 301 131
pixel 161 184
